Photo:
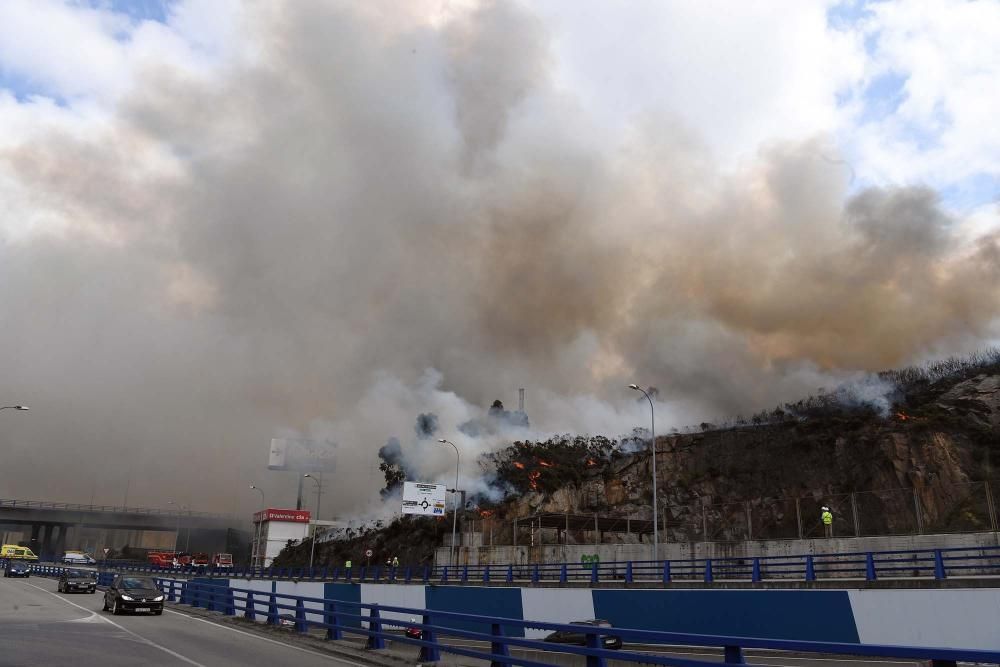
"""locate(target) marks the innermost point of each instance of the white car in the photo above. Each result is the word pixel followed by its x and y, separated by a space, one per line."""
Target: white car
pixel 78 558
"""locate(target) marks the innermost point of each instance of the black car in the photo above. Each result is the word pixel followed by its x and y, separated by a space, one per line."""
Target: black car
pixel 580 638
pixel 77 581
pixel 136 594
pixel 16 568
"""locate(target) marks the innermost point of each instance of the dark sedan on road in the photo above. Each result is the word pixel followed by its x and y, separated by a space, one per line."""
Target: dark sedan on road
pixel 580 638
pixel 77 581
pixel 135 594
pixel 17 569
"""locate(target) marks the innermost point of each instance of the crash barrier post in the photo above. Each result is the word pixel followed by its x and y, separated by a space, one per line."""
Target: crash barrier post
pixel 378 623
pixel 332 621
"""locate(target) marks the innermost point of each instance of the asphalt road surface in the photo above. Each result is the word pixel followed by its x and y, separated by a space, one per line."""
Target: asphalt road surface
pixel 41 627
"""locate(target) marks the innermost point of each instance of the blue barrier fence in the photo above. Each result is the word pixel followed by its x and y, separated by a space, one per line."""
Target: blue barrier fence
pixel 498 635
pixel 869 566
pixel 104 578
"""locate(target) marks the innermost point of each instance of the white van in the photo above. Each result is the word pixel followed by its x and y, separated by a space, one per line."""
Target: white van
pixel 77 558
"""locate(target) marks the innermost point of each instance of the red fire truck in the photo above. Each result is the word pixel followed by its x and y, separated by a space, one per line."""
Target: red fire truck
pixel 222 561
pixel 161 558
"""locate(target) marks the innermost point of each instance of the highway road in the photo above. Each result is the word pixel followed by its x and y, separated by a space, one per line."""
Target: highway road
pixel 39 627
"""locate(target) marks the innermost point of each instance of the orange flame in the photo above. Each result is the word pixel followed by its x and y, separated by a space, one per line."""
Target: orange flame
pixel 902 416
pixel 591 462
pixel 518 464
pixel 533 479
pixel 486 513
pixel 544 463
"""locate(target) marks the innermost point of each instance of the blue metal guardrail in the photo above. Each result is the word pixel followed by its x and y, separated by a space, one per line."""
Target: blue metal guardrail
pixel 501 634
pixel 870 566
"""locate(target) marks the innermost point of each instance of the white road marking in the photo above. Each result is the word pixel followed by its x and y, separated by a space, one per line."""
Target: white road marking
pixel 124 629
pixel 265 639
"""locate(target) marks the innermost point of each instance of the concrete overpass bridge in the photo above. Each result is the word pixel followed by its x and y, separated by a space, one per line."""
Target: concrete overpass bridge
pixel 52 525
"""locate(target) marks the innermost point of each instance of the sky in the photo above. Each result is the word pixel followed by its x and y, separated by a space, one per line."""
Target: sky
pixel 227 221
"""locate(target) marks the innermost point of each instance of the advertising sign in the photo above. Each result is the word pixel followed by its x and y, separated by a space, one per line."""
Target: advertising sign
pixel 302 455
pixel 424 499
pixel 290 516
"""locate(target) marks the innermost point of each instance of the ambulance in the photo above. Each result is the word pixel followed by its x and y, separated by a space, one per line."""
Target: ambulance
pixel 14 552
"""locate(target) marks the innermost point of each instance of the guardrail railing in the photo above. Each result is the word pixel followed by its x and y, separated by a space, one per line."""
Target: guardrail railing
pixel 121 509
pixel 862 565
pixel 498 636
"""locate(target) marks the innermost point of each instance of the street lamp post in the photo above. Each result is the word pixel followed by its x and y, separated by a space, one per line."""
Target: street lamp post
pixel 15 407
pixel 177 527
pixel 652 433
pixel 454 516
pixel 256 532
pixel 319 495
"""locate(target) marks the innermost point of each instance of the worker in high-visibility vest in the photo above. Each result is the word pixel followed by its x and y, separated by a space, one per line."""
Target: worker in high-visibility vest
pixel 347 564
pixel 827 517
pixel 395 562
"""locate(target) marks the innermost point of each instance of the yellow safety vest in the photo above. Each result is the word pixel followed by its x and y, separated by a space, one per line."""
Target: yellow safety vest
pixel 827 518
pixel 348 565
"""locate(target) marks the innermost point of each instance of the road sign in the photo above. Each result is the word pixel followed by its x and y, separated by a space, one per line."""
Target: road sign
pixel 423 499
pixel 106 550
pixel 302 455
pixel 369 553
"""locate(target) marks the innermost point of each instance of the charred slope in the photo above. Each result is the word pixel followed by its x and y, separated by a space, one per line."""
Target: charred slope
pixel 411 539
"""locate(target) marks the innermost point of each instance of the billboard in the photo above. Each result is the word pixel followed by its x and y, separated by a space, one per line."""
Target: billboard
pixel 290 516
pixel 425 499
pixel 302 455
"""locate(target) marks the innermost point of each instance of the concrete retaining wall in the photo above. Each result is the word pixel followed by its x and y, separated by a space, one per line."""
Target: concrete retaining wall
pixel 573 553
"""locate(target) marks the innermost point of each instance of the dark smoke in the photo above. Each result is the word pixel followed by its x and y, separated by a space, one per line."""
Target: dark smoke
pixel 393 467
pixel 497 420
pixel 289 243
pixel 426 426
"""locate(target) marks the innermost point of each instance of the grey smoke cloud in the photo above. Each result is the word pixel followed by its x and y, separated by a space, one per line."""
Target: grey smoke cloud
pixel 287 248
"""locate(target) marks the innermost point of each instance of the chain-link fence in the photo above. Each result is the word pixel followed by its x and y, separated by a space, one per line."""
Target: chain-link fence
pixel 954 508
pixel 927 509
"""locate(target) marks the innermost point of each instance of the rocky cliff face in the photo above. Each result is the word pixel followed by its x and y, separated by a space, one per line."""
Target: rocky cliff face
pixel 921 468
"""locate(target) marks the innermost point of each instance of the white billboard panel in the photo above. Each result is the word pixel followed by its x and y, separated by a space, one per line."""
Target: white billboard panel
pixel 302 455
pixel 424 499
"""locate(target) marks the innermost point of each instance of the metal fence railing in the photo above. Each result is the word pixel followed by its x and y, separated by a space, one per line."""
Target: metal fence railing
pixel 860 565
pixel 497 639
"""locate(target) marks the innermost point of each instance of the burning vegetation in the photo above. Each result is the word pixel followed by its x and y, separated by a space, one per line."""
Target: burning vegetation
pixel 549 465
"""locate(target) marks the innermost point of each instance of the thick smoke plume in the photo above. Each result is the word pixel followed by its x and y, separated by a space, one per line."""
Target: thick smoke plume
pixel 288 245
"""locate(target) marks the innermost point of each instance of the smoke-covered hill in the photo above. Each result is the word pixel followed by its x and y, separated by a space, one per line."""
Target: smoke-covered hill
pixel 929 437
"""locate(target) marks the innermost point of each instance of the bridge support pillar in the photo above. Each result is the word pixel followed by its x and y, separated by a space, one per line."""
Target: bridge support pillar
pixel 46 541
pixel 60 545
